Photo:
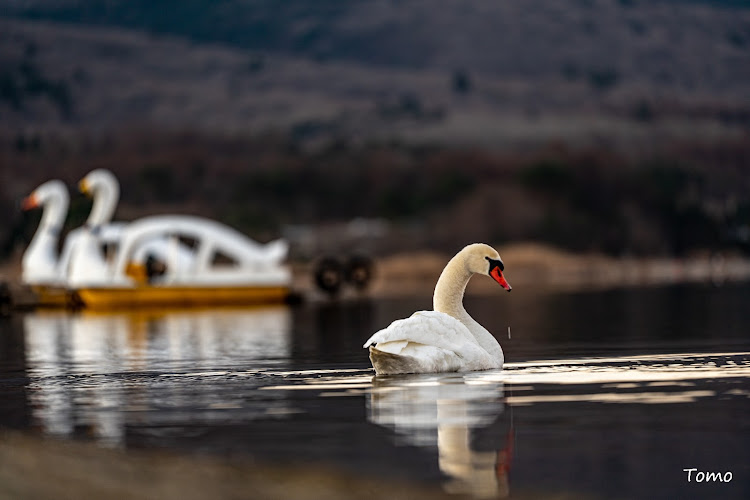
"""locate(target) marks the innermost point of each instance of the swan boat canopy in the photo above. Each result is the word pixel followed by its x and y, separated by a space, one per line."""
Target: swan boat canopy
pixel 226 267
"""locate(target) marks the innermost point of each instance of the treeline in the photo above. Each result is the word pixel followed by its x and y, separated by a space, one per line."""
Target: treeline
pixel 687 198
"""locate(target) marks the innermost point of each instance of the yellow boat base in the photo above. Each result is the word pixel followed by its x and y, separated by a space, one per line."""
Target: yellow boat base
pixel 179 296
pixel 49 296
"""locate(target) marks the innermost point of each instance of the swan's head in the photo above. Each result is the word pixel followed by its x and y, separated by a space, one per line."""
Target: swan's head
pixel 99 180
pixel 483 259
pixel 53 191
pixel 101 185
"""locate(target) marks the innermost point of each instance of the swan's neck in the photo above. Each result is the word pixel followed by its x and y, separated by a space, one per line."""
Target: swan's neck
pixel 106 196
pixel 450 288
pixel 449 299
pixel 53 214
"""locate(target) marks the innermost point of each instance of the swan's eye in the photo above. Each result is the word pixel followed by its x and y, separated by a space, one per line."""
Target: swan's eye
pixel 495 263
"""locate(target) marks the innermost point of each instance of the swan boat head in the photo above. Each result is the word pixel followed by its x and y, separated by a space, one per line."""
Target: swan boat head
pixel 40 261
pixel 102 186
pixel 52 193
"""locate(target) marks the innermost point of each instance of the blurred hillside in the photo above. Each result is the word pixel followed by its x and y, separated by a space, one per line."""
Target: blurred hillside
pixel 469 72
pixel 606 125
pixel 652 41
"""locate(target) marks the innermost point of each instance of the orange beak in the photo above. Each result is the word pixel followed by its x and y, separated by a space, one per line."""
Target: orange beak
pixel 30 202
pixel 497 275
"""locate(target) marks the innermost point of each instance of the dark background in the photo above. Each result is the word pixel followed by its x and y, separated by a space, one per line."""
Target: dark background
pixel 619 126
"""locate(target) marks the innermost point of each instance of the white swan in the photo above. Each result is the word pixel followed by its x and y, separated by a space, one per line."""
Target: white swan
pixel 40 265
pixel 446 339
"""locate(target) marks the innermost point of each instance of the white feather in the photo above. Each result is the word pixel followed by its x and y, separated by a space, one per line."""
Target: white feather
pixel 431 341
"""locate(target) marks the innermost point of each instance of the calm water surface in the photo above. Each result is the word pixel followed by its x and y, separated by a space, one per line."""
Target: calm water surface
pixel 604 394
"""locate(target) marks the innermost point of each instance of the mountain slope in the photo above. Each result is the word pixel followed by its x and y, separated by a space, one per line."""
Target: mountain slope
pixel 468 71
pixel 687 43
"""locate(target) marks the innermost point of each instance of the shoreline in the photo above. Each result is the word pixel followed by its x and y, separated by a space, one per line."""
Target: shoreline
pixel 540 267
pixel 77 469
pixel 529 266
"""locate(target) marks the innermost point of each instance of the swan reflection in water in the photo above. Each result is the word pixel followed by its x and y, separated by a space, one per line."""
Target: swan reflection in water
pixel 73 362
pixel 464 415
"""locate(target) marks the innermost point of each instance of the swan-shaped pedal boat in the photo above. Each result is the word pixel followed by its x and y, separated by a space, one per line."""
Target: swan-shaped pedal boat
pixel 252 272
pixel 53 277
pixel 189 273
pixel 446 339
pixel 219 266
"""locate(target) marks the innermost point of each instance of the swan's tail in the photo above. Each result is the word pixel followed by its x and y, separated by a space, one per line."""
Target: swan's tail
pixel 276 250
pixel 386 363
pixel 414 358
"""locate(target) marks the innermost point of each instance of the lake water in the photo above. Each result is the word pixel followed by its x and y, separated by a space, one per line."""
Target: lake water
pixel 605 394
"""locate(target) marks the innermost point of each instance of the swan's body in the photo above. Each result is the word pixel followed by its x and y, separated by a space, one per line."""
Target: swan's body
pixel 447 339
pixel 108 234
